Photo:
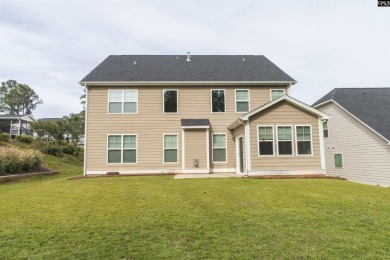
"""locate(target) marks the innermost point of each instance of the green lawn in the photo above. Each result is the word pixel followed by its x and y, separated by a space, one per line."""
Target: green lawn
pixel 158 217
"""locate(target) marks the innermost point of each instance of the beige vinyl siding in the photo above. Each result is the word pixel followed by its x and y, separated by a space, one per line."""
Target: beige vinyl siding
pixel 284 114
pixel 150 123
pixel 195 148
pixel 366 156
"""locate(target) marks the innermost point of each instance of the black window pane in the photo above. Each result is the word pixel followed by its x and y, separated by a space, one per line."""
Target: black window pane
pixel 285 148
pixel 304 147
pixel 170 101
pixel 325 132
pixel 218 99
pixel 266 148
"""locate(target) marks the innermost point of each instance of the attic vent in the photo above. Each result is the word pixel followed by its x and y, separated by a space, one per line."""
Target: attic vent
pixel 135 63
pixel 188 56
pixel 243 59
pixel 177 57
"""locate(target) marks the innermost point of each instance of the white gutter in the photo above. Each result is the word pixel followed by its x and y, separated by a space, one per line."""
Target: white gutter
pixel 193 83
pixel 85 129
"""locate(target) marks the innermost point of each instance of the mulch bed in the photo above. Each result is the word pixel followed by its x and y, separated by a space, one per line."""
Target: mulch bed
pixel 310 176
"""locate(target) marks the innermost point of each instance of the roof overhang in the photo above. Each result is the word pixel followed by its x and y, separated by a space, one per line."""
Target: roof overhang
pixel 245 117
pixel 178 83
pixel 349 113
pixel 28 118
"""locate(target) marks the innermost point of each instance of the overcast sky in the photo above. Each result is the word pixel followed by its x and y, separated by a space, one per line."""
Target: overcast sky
pixel 323 44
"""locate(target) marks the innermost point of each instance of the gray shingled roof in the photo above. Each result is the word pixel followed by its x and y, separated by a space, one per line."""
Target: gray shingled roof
pixel 370 105
pixel 195 122
pixel 175 68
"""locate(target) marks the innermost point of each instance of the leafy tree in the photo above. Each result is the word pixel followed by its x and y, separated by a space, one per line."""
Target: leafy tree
pixel 55 129
pixel 74 126
pixel 17 98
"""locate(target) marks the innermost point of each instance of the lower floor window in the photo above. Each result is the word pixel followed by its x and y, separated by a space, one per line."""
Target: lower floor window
pixel 338 160
pixel 170 148
pixel 122 149
pixel 285 143
pixel 266 140
pixel 219 147
pixel 303 140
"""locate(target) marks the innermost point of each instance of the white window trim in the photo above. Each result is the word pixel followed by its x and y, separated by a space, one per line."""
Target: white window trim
pixel 342 161
pixel 249 100
pixel 258 141
pixel 311 141
pixel 123 102
pixel 273 89
pixel 211 100
pixel 292 141
pixel 177 148
pixel 177 101
pixel 212 147
pixel 136 150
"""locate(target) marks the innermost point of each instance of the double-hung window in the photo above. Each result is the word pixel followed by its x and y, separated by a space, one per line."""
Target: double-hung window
pixel 122 149
pixel 303 140
pixel 170 101
pixel 242 100
pixel 325 128
pixel 219 147
pixel 170 148
pixel 285 141
pixel 275 93
pixel 266 140
pixel 122 101
pixel 217 100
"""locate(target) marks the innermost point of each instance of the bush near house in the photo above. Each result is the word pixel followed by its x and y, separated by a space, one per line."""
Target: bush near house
pixel 14 160
pixel 24 139
pixel 4 137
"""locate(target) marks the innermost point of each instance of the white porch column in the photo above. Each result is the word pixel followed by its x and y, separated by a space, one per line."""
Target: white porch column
pixel 208 148
pixel 19 128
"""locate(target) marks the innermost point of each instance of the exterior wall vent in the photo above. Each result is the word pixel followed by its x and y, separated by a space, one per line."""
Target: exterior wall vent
pixel 195 162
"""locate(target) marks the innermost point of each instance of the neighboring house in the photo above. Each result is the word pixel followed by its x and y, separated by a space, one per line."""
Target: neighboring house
pixel 16 125
pixel 202 114
pixel 357 135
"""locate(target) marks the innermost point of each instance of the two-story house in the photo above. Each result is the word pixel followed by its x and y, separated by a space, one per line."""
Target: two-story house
pixel 148 114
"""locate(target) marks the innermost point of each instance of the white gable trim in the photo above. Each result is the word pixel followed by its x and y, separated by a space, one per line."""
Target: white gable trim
pixel 352 115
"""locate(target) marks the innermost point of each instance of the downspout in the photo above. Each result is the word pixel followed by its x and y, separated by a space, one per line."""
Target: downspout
pixel 85 129
pixel 288 89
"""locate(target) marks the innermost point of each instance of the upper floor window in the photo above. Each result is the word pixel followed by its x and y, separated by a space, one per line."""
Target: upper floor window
pixel 170 101
pixel 217 100
pixel 122 101
pixel 275 93
pixel 242 100
pixel 304 140
pixel 266 140
pixel 325 128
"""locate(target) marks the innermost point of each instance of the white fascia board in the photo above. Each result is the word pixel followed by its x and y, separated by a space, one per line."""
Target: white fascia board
pixel 173 83
pixel 196 127
pixel 352 115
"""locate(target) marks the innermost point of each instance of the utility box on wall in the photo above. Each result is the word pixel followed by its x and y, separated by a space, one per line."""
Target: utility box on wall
pixel 195 162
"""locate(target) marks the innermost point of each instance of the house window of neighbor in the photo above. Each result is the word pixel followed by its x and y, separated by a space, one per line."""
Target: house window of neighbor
pixel 266 140
pixel 338 160
pixel 218 100
pixel 275 93
pixel 122 149
pixel 122 101
pixel 242 100
pixel 170 101
pixel 285 143
pixel 325 128
pixel 219 147
pixel 170 148
pixel 303 140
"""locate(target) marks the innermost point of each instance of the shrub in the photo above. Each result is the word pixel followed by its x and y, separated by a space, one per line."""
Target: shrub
pixel 13 160
pixel 52 150
pixel 69 149
pixel 24 139
pixel 4 136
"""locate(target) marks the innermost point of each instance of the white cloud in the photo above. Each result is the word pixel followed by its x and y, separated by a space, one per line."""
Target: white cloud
pixel 51 45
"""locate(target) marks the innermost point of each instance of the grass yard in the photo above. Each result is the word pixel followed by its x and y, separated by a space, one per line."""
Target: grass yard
pixel 158 217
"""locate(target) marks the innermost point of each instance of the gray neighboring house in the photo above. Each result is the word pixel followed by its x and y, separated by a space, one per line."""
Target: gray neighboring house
pixel 357 135
pixel 16 125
